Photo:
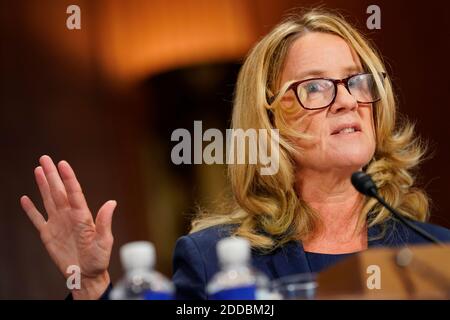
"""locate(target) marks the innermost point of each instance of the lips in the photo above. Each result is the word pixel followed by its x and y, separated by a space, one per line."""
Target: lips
pixel 346 128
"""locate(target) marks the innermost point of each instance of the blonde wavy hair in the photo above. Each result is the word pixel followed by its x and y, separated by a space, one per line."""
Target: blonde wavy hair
pixel 266 209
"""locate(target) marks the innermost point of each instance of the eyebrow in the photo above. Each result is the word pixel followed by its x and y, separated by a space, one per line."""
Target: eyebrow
pixel 321 73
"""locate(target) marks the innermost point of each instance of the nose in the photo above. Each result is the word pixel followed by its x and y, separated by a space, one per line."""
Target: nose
pixel 344 100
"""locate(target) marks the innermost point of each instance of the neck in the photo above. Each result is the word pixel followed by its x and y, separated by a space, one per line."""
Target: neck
pixel 337 205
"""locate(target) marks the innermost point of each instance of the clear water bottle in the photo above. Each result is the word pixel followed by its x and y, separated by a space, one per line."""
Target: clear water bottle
pixel 237 280
pixel 141 281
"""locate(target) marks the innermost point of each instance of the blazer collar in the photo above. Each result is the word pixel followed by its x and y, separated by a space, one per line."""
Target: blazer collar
pixel 288 260
pixel 291 258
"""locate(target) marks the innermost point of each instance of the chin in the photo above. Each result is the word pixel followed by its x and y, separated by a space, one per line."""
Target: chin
pixel 352 161
pixel 352 158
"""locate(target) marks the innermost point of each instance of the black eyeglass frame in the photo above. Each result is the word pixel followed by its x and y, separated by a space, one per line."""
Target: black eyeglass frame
pixel 335 82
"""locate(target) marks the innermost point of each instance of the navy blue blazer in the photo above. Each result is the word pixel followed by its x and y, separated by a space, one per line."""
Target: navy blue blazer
pixel 195 260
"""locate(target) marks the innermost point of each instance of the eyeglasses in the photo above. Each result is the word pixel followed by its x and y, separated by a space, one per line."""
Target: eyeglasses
pixel 320 93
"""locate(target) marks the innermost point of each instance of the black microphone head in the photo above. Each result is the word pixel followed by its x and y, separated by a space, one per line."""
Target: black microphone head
pixel 364 184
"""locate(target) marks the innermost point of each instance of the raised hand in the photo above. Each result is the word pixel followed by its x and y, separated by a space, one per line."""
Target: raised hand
pixel 69 234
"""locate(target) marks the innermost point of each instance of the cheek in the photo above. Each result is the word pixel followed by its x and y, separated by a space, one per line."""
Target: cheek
pixel 314 148
pixel 311 124
pixel 368 123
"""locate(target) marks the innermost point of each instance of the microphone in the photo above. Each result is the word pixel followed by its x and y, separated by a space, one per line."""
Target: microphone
pixel 365 185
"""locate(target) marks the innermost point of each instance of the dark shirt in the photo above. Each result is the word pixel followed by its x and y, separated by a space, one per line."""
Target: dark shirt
pixel 318 262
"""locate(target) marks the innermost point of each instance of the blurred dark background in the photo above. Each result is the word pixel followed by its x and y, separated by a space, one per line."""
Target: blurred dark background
pixel 107 98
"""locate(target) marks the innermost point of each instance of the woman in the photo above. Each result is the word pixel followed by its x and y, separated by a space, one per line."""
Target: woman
pixel 324 87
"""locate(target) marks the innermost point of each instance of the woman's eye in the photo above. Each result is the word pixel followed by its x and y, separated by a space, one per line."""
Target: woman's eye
pixel 314 87
pixel 360 81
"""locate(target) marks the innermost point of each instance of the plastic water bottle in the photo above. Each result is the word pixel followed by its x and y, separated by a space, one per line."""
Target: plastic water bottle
pixel 141 281
pixel 237 279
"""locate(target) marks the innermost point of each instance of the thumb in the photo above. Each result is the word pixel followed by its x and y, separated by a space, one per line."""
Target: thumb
pixel 103 220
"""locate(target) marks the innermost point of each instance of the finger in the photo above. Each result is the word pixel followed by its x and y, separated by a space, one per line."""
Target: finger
pixel 44 189
pixel 35 216
pixel 57 189
pixel 103 220
pixel 73 189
